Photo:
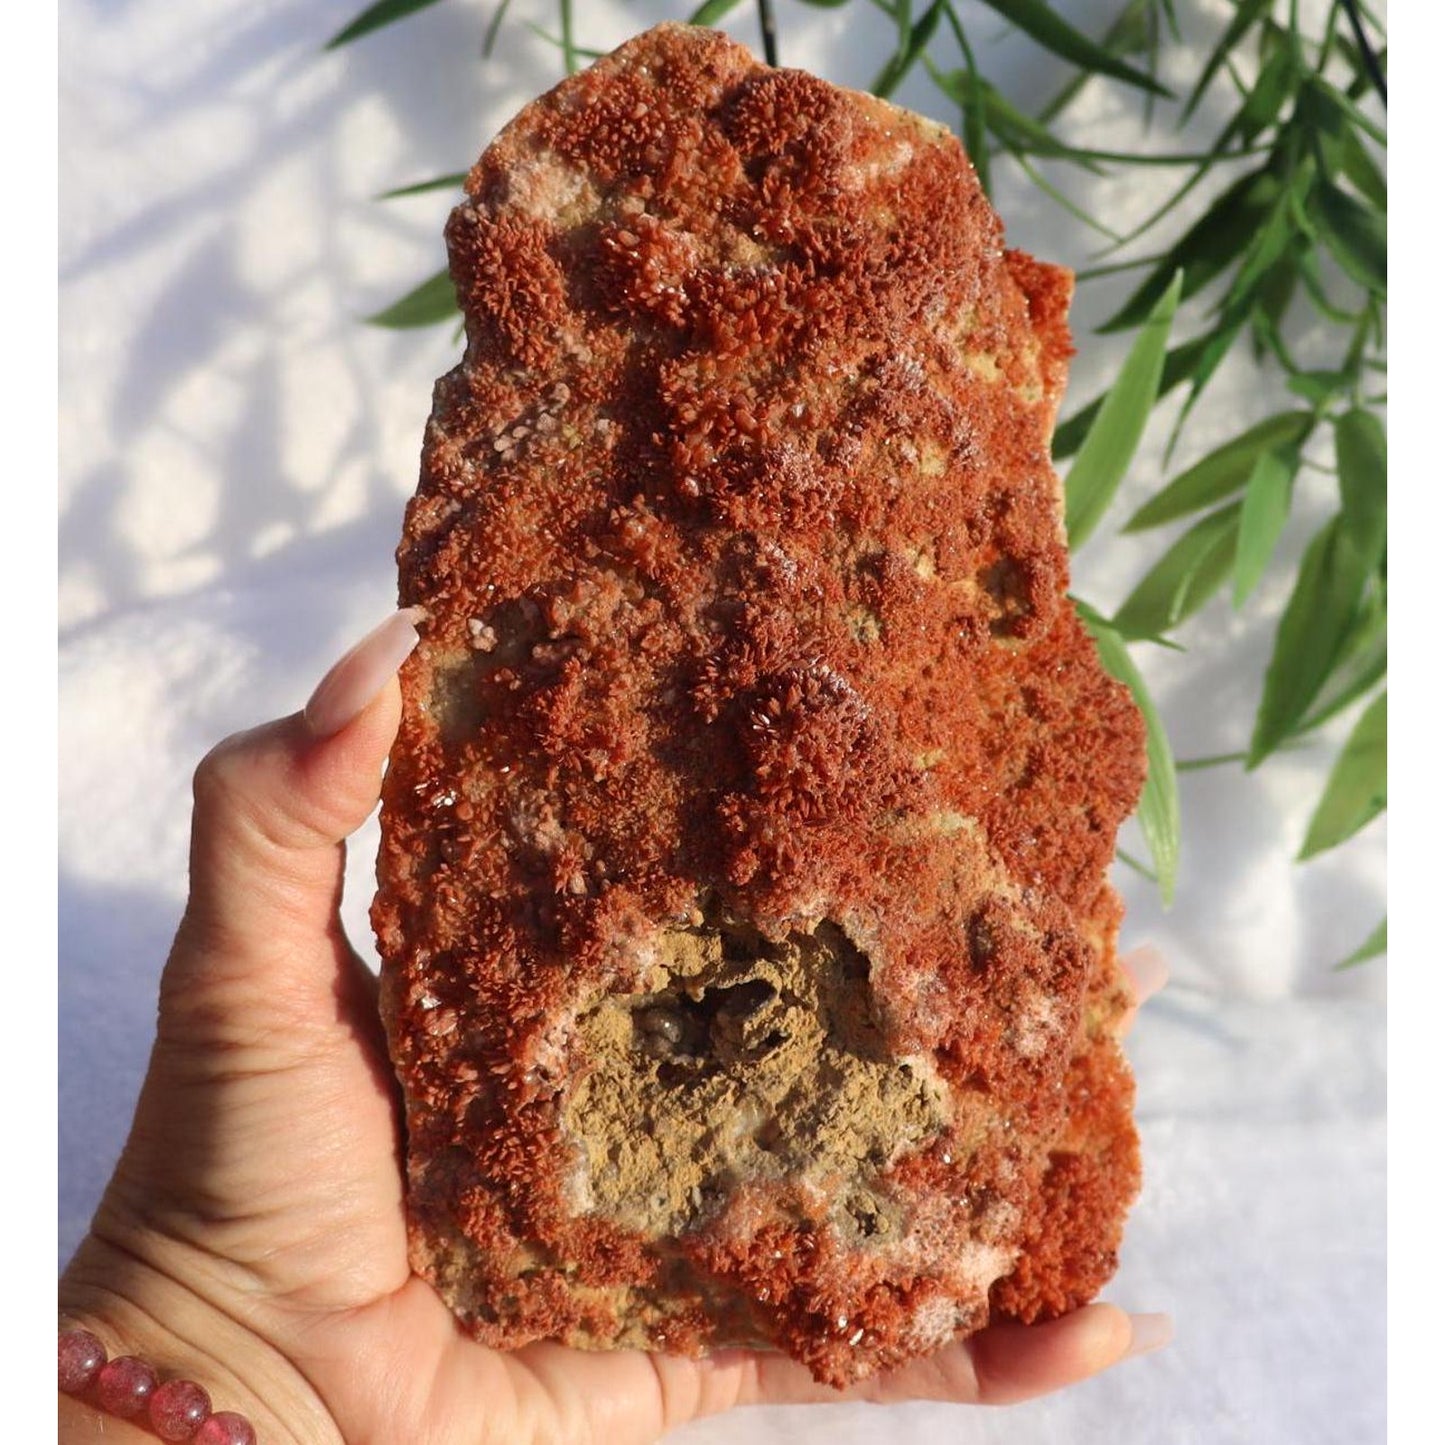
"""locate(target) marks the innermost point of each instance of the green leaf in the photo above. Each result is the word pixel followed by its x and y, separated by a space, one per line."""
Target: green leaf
pixel 1277 80
pixel 1217 345
pixel 1223 472
pixel 1159 805
pixel 1350 113
pixel 1272 239
pixel 1219 236
pixel 1359 167
pixel 1355 792
pixel 1372 947
pixel 711 11
pixel 1245 16
pixel 1276 293
pixel 1309 270
pixel 1114 436
pixel 1362 662
pixel 1266 509
pixel 1184 578
pixel 1337 139
pixel 1311 636
pixel 1151 56
pixel 1364 82
pixel 1318 388
pixel 1179 364
pixel 434 300
pixel 440 183
pixel 1267 340
pixel 1043 23
pixel 1360 462
pixel 898 65
pixel 489 40
pixel 1354 233
pixel 384 12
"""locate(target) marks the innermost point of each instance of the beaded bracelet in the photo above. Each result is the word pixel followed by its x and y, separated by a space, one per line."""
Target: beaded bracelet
pixel 128 1387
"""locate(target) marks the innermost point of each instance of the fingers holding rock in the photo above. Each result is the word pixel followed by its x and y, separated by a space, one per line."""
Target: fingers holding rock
pixel 272 805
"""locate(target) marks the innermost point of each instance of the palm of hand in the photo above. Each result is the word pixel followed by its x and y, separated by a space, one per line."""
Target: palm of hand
pixel 304 1205
pixel 264 1168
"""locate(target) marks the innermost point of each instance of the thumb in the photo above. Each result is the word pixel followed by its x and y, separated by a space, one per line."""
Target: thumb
pixel 260 1079
pixel 273 805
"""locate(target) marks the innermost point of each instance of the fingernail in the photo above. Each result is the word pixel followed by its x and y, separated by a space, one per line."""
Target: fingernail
pixel 1151 1332
pixel 344 693
pixel 1146 969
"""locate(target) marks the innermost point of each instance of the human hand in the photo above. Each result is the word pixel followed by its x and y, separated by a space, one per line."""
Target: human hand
pixel 253 1236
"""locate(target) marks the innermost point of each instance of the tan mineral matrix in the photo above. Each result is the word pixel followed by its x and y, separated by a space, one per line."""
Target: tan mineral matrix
pixel 748 956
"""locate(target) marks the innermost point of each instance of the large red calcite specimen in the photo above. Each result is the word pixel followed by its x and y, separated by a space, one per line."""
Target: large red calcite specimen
pixel 748 956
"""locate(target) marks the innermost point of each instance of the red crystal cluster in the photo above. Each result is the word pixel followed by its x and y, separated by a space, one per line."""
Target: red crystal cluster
pixel 744 576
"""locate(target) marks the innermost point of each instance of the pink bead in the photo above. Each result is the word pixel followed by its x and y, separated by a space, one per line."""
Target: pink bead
pixel 124 1385
pixel 178 1409
pixel 226 1428
pixel 81 1356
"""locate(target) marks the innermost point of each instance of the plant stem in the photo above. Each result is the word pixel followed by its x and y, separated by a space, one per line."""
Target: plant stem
pixel 1092 273
pixel 1195 765
pixel 768 24
pixel 1059 198
pixel 1129 861
pixel 569 46
pixel 1367 53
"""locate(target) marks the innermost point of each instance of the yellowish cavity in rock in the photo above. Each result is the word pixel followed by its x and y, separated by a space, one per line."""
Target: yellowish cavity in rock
pixel 745 1060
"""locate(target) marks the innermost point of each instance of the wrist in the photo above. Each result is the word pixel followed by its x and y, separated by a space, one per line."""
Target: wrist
pixel 138 1307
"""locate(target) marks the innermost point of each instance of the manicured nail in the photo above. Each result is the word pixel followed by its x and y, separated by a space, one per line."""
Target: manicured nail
pixel 1151 1332
pixel 344 693
pixel 1147 971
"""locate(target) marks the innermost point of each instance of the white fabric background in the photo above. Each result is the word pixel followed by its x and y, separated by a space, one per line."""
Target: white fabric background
pixel 236 450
